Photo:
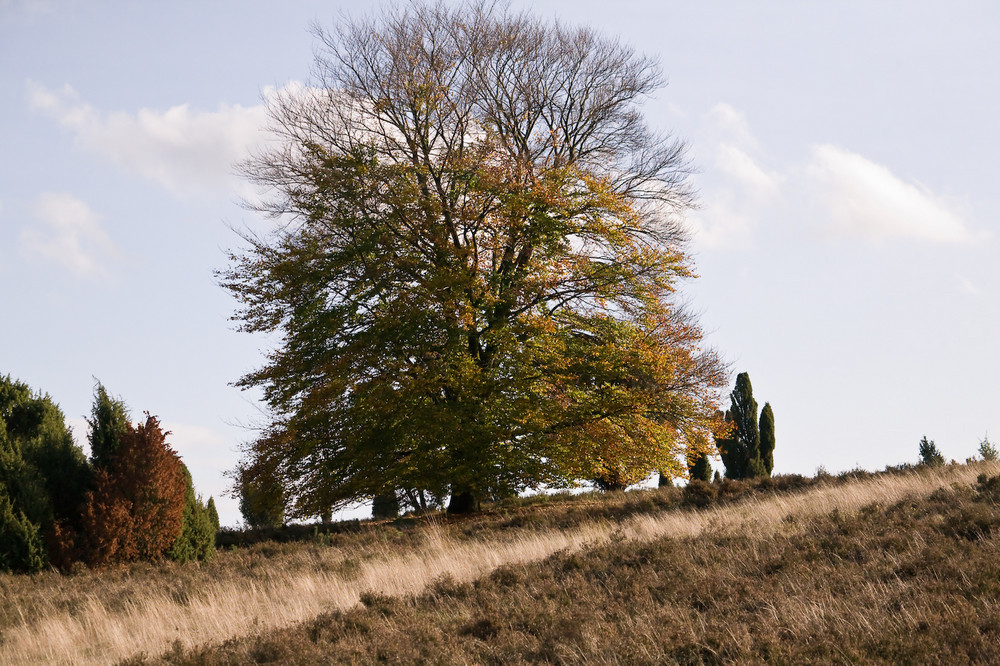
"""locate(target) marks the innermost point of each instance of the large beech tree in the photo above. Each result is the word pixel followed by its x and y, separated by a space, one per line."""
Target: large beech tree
pixel 474 266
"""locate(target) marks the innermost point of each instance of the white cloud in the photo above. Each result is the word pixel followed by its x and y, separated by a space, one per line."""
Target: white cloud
pixel 866 199
pixel 736 188
pixel 69 233
pixel 182 149
pixel 843 192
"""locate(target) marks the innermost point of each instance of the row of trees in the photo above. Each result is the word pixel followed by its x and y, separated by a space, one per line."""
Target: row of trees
pixel 133 499
pixel 475 269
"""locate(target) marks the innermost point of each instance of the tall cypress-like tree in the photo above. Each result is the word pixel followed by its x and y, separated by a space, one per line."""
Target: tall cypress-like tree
pixel 742 447
pixel 767 437
pixel 748 450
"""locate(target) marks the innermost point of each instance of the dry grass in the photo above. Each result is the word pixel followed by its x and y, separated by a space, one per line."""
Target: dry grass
pixel 105 617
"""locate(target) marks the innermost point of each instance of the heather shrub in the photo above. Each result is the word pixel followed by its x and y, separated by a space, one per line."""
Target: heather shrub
pixel 698 493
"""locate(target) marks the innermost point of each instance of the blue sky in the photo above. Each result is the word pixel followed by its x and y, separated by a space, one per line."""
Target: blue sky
pixel 846 239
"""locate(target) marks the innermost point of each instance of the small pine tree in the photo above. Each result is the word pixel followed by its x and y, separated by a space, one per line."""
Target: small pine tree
pixel 109 421
pixel 929 454
pixel 987 451
pixel 213 513
pixel 767 438
pixel 21 548
pixel 197 538
pixel 701 468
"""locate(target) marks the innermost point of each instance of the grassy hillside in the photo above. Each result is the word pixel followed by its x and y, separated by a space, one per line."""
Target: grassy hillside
pixel 893 567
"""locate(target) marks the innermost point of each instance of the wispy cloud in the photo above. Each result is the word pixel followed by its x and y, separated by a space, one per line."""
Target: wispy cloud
pixel 182 149
pixel 741 187
pixel 843 193
pixel 68 233
pixel 867 200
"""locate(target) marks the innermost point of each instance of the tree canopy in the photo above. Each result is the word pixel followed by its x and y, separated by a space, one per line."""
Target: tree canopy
pixel 474 269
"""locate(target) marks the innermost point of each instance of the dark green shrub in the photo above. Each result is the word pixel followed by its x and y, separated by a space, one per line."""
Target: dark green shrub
pixel 262 500
pixel 43 474
pixel 987 451
pixel 197 538
pixel 21 548
pixel 109 421
pixel 701 469
pixel 929 454
pixel 213 513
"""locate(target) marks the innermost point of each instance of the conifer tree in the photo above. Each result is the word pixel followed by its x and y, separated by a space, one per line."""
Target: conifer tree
pixel 21 548
pixel 743 444
pixel 262 499
pixel 929 454
pixel 701 469
pixel 767 437
pixel 109 421
pixel 987 451
pixel 213 513
pixel 136 510
pixel 197 538
pixel 43 474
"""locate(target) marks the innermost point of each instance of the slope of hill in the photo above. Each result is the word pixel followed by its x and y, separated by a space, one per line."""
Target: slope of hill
pixel 890 567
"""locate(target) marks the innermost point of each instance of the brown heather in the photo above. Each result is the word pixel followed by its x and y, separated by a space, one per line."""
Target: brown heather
pixel 889 567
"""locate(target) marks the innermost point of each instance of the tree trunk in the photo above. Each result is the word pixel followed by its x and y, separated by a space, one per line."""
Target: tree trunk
pixel 462 502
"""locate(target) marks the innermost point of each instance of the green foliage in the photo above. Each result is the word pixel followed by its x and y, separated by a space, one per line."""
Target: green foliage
pixel 929 454
pixel 262 499
pixel 136 509
pixel 987 451
pixel 756 469
pixel 767 438
pixel 109 421
pixel 213 513
pixel 701 469
pixel 741 448
pixel 43 474
pixel 21 548
pixel 495 313
pixel 197 538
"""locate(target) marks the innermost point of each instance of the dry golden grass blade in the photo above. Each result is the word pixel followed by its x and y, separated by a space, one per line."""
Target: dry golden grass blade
pixel 105 617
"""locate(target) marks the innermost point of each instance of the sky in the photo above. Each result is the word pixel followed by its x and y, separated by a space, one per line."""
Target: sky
pixel 846 238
